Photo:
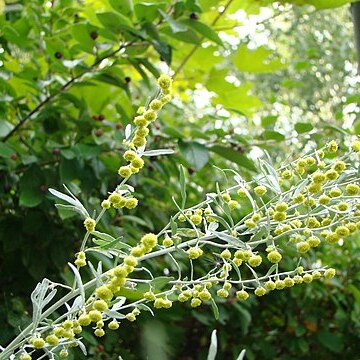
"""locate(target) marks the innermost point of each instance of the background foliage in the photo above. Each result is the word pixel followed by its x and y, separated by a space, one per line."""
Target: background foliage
pixel 250 76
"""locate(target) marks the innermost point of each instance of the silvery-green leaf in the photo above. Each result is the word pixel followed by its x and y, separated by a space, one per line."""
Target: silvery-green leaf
pixel 119 302
pixel 213 347
pixel 78 280
pixel 158 152
pixel 128 131
pixel 241 355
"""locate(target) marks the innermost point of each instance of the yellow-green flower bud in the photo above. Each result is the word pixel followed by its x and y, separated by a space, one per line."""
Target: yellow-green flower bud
pixel 194 253
pixel 289 282
pixel 195 302
pixel 260 291
pixel 222 293
pixel 332 174
pixel 226 254
pixel 204 295
pixel 298 279
pixel 313 241
pixel 343 206
pixel 196 219
pixel 164 81
pixel 307 278
pixel 332 146
pixel 63 354
pixel 89 224
pixel 310 161
pixel 137 163
pixel 250 223
pixel 130 261
pixel 318 177
pixel 281 207
pixel 316 275
pixel 124 171
pixel 156 105
pixel 242 295
pixel 149 296
pixel 329 273
pixel 150 115
pixel 130 155
pixel 241 193
pixel 149 240
pixel 84 320
pixel 274 256
pixel 140 121
pixel 100 305
pixel 339 166
pixel 352 189
pixel 131 203
pixel 279 216
pixel 25 356
pixel 355 145
pixel 280 284
pixel 270 285
pixel 104 293
pixel 52 339
pixel 324 199
pixel 139 141
pixel 113 325
pixel 260 190
pixel 233 204
pixel 38 343
pixel 99 332
pixel 302 247
pixel 299 199
pixel 342 231
pixel 255 260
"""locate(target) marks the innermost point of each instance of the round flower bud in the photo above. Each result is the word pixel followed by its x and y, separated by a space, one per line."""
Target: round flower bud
pixel 331 174
pixel 299 199
pixel 241 193
pixel 134 170
pixel 196 219
pixel 52 340
pixel 342 231
pixel 242 295
pixel 318 177
pixel 63 354
pixel 195 302
pixel 104 293
pixel 289 282
pixel 226 197
pixel 247 254
pixel 130 261
pixel 124 171
pixel 279 216
pixel 149 296
pixel 141 131
pixel 164 81
pixel 332 146
pixel 227 286
pixel 167 242
pixel 100 305
pixel 286 174
pixel 105 204
pixel 233 204
pixel 298 279
pixel 270 285
pixel 313 241
pixel 130 316
pixel 355 145
pixel 130 155
pixel 281 207
pixel 95 315
pixel 260 190
pixel 156 105
pixel 302 247
pixel 332 238
pixel 149 240
pixel 343 206
pixel 99 332
pixel 352 189
pixel 137 251
pixel 239 254
pixel 25 356
pixel 194 253
pixel 256 217
pixel 339 166
pixel 139 141
pixel 138 163
pixel 89 224
pixel 226 254
pixel 314 188
pixel 329 273
pixel 280 284
pixel 204 295
pixel 316 275
pixel 274 256
pixel 113 325
pixel 140 121
pixel 310 161
pixel 38 343
pixel 165 99
pixel 307 278
pixel 237 261
pixel 250 223
pixel 131 203
pixel 150 115
pixel 324 199
pixel 260 291
pixel 222 293
pixel 255 260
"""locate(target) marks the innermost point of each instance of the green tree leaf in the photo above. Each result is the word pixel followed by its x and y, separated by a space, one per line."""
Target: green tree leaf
pixel 195 154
